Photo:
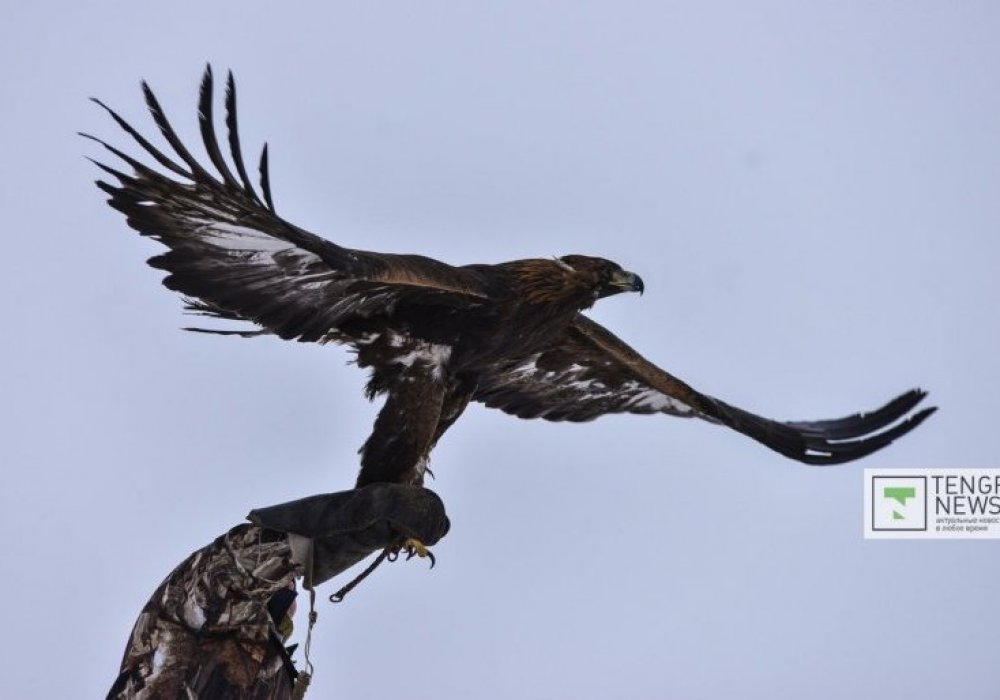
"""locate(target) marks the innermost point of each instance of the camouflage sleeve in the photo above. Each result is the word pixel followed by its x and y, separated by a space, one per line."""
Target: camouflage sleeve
pixel 206 631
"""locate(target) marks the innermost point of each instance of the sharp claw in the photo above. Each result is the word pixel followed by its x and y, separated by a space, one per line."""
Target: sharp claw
pixel 414 547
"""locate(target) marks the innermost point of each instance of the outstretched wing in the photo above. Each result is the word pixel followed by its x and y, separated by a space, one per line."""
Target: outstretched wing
pixel 591 372
pixel 237 259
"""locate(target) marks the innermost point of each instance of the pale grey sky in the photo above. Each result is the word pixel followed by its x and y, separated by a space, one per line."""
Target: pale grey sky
pixel 810 192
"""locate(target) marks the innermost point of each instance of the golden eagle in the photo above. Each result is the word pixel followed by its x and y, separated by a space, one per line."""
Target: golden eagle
pixel 436 336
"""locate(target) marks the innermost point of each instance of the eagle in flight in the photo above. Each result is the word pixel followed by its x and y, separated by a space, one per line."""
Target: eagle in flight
pixel 512 336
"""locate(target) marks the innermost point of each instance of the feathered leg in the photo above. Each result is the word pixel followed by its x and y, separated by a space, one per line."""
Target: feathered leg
pixel 396 451
pixel 455 401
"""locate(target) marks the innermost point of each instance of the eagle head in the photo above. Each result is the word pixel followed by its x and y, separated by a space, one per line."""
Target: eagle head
pixel 605 277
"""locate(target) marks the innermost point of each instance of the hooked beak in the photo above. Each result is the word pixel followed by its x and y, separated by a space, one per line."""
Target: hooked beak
pixel 628 282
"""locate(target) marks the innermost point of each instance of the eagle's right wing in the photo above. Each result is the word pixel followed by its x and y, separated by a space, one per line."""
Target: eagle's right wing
pixel 590 372
pixel 235 258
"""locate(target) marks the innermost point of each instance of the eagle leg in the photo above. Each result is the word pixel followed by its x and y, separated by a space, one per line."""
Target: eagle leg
pixel 396 452
pixel 456 399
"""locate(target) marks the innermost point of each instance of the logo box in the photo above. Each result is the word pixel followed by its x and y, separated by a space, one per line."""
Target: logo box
pixel 899 503
pixel 941 504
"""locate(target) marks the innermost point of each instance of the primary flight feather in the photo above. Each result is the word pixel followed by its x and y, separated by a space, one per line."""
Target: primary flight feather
pixel 435 336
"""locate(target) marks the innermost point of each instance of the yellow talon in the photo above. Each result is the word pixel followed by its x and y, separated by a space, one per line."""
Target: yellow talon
pixel 414 547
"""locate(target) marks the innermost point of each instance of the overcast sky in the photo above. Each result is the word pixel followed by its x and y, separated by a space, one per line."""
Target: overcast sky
pixel 811 192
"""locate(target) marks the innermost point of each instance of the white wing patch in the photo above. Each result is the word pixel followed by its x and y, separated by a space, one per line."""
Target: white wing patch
pixel 253 247
pixel 238 238
pixel 575 392
pixel 245 260
pixel 657 401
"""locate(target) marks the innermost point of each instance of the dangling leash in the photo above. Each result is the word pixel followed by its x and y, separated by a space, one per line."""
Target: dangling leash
pixel 390 553
pixel 344 590
pixel 304 678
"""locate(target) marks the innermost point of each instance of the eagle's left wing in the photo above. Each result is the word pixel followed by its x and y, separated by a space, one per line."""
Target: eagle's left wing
pixel 233 257
pixel 591 372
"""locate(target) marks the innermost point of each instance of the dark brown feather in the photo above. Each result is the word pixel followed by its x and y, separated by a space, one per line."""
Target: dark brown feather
pixel 434 335
pixel 590 373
